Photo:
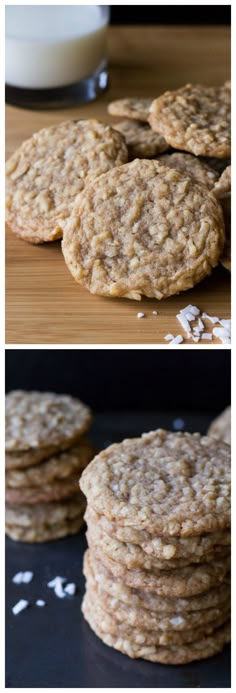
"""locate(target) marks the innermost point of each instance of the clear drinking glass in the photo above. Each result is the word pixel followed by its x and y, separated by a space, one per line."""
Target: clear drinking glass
pixel 55 54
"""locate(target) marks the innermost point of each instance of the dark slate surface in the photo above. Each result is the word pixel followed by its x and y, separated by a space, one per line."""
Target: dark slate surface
pixel 53 647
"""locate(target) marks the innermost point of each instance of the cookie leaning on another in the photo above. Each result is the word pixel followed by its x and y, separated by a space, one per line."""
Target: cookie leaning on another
pixel 46 173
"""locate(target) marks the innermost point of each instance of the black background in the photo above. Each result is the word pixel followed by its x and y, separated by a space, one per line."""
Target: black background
pixel 123 379
pixel 172 14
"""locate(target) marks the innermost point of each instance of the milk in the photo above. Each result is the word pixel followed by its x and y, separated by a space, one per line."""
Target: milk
pixel 53 45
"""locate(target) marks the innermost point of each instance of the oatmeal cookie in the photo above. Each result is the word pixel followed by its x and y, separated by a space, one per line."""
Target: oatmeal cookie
pixel 46 173
pixel 45 532
pixel 39 419
pixel 60 466
pixel 144 229
pixel 45 514
pixel 140 139
pixel 140 647
pixel 141 617
pixel 175 484
pixel 139 598
pixel 223 185
pixel 43 493
pixel 134 108
pixel 195 548
pixel 220 428
pixel 191 166
pixel 132 556
pixel 194 118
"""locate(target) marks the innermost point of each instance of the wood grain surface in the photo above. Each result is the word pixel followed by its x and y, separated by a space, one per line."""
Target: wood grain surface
pixel 44 305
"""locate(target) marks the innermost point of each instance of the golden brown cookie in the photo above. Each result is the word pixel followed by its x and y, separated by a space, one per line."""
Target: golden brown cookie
pixel 59 466
pixel 140 139
pixel 220 428
pixel 194 118
pixel 46 173
pixel 42 419
pixel 191 166
pixel 143 229
pixel 134 108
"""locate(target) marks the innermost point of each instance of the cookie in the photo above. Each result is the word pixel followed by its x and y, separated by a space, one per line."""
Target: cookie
pixel 141 617
pixel 175 484
pixel 143 229
pixel 141 141
pixel 191 166
pixel 57 467
pixel 220 428
pixel 139 598
pixel 132 556
pixel 194 118
pixel 134 108
pixel 45 533
pixel 223 185
pixel 175 654
pixel 181 582
pixel 195 548
pixel 20 459
pixel 39 419
pixel 43 493
pixel 46 173
pixel 45 514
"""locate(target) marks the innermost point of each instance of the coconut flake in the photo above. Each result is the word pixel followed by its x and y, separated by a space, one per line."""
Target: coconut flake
pixel 40 602
pixel 184 322
pixel 206 335
pixel 57 584
pixel 23 576
pixel 200 325
pixel 177 620
pixel 168 337
pixel 222 334
pixel 19 606
pixel 193 310
pixel 70 588
pixel 177 340
pixel 214 320
pixel 140 315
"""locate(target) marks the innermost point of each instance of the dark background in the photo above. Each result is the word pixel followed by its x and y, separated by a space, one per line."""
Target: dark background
pixel 123 379
pixel 172 14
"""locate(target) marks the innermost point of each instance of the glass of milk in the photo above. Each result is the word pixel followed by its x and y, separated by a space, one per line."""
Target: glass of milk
pixel 55 54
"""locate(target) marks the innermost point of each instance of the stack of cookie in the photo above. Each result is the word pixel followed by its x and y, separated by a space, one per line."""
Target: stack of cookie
pixel 46 452
pixel 221 426
pixel 157 567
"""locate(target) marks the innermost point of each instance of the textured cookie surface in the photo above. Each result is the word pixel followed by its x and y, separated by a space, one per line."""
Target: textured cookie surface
pixel 45 514
pixel 43 493
pixel 220 428
pixel 139 598
pixel 141 617
pixel 175 654
pixel 140 139
pixel 137 109
pixel 223 185
pixel 181 582
pixel 39 419
pixel 143 229
pixel 193 548
pixel 60 466
pixel 133 556
pixel 175 484
pixel 46 531
pixel 194 118
pixel 191 166
pixel 47 172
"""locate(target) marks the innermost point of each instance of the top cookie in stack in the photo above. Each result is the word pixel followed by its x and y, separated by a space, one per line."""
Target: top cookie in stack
pixel 46 452
pixel 158 521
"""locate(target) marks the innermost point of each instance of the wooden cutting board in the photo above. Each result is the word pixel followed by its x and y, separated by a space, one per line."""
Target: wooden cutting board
pixel 44 305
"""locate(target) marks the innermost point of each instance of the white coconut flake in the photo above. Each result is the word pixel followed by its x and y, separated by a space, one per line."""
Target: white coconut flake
pixel 40 602
pixel 154 312
pixel 214 320
pixel 168 337
pixel 190 317
pixel 57 584
pixel 200 325
pixel 70 588
pixel 20 606
pixel 206 335
pixel 222 334
pixel 196 339
pixel 177 620
pixel 140 315
pixel 226 324
pixel 193 310
pixel 177 340
pixel 184 322
pixel 23 576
